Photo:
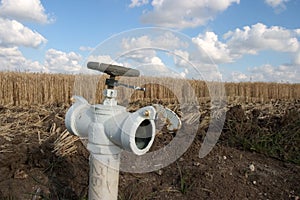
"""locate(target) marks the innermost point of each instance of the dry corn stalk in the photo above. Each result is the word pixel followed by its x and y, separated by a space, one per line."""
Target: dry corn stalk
pixel 64 145
pixel 28 88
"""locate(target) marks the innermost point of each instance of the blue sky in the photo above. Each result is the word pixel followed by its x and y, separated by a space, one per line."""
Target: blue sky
pixel 257 40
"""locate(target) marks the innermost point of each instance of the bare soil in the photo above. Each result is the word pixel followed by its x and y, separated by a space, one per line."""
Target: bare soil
pixel 34 166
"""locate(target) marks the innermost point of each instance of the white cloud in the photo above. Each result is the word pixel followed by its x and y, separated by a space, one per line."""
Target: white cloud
pixel 181 58
pixel 296 58
pixel 249 40
pixel 143 53
pixel 15 33
pixel 157 2
pixel 259 37
pixel 278 5
pixel 104 59
pixel 238 77
pixel 252 40
pixel 134 43
pixel 144 48
pixel 140 56
pixel 101 59
pixel 167 41
pixel 156 61
pixel 193 67
pixel 84 48
pixel 211 48
pixel 268 73
pixel 229 48
pixel 61 62
pixel 24 10
pixel 183 14
pixel 10 52
pixel 138 3
pixel 187 60
pixel 282 73
pixel 156 67
pixel 275 3
pixel 12 59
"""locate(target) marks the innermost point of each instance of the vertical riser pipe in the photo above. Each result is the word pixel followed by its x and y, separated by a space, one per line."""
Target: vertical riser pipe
pixel 104 178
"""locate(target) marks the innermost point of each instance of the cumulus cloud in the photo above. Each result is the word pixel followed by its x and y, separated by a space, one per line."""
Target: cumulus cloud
pixel 61 62
pixel 281 73
pixel 144 48
pixel 156 67
pixel 211 49
pixel 268 73
pixel 178 52
pixel 253 40
pixel 14 33
pixel 278 5
pixel 249 40
pixel 139 42
pixel 259 37
pixel 84 48
pixel 296 58
pixel 181 58
pixel 138 3
pixel 138 49
pixel 24 10
pixel 12 59
pixel 101 59
pixel 144 53
pixel 238 77
pixel 191 13
pixel 167 40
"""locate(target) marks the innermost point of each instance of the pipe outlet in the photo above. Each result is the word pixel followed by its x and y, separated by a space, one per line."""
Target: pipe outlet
pixel 110 128
pixel 134 132
pixel 78 117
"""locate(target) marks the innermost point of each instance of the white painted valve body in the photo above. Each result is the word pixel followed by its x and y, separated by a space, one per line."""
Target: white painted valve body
pixel 110 129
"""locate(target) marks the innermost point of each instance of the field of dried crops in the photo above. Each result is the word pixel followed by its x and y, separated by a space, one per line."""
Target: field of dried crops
pixel 28 89
pixel 257 156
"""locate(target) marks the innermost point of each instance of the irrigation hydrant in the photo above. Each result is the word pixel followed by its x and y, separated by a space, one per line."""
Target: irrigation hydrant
pixel 110 129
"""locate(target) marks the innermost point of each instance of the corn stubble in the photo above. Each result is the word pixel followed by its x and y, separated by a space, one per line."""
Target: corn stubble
pixel 37 88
